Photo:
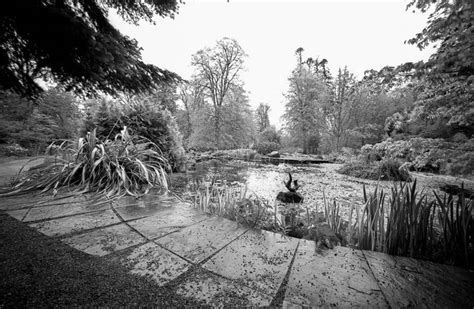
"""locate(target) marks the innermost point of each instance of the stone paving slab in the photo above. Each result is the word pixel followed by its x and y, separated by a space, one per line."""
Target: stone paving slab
pixel 9 170
pixel 153 261
pixel 77 223
pixel 412 283
pixel 201 240
pixel 167 221
pixel 164 199
pixel 55 211
pixel 258 258
pixel 18 202
pixel 220 292
pixel 106 240
pixel 339 277
pixel 17 214
pixel 142 209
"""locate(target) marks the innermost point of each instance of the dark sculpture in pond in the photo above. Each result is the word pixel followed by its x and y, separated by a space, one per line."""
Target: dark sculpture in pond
pixel 292 196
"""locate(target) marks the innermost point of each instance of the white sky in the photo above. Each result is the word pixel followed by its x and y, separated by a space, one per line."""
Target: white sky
pixel 361 35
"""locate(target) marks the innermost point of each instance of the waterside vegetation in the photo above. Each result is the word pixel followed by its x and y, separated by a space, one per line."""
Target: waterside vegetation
pixel 403 222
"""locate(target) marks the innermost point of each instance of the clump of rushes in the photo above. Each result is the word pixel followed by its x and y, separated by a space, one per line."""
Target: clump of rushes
pixel 441 230
pixel 331 213
pixel 371 222
pixel 233 203
pixel 457 226
pixel 128 164
pixel 410 223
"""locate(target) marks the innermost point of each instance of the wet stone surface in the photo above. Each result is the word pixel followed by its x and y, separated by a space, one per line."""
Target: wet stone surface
pixel 145 200
pixel 143 209
pixel 199 241
pixel 221 292
pixel 104 241
pixel 170 220
pixel 333 277
pixel 414 283
pixel 155 262
pixel 62 210
pixel 57 227
pixel 18 214
pixel 258 258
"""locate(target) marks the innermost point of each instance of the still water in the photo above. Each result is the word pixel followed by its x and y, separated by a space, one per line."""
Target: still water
pixel 266 180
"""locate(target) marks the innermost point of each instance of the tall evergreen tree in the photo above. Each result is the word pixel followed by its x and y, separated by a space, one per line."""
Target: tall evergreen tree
pixel 74 44
pixel 303 110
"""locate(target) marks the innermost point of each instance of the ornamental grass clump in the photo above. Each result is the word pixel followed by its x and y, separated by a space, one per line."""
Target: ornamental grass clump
pixel 128 164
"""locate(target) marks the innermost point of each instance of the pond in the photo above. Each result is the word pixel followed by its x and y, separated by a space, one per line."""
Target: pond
pixel 316 181
pixel 266 180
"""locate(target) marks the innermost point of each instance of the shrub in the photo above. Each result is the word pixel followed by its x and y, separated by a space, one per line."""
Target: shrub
pixel 383 170
pixel 461 165
pixel 144 119
pixel 459 138
pixel 8 150
pixel 266 147
pixel 270 134
pixel 128 164
pixel 467 146
pixel 429 155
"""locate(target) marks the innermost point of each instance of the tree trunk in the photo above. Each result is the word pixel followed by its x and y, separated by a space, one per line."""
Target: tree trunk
pixel 217 128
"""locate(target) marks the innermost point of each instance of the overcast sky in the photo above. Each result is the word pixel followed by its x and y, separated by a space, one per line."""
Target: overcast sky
pixel 359 35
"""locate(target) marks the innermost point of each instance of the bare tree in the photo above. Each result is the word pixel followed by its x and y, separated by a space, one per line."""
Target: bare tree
pixel 218 69
pixel 191 94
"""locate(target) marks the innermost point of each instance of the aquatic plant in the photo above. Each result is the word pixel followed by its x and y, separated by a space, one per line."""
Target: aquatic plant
pixel 126 165
pixel 331 213
pixel 232 202
pixel 457 225
pixel 408 227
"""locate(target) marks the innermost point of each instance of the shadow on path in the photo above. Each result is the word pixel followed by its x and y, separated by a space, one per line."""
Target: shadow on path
pixel 39 271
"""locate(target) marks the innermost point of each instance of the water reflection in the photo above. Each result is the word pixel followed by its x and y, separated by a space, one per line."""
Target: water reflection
pixel 266 181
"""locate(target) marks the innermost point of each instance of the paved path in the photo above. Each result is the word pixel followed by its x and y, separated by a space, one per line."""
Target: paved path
pixel 215 260
pixel 9 169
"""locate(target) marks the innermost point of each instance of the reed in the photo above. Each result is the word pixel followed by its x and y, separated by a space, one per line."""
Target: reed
pixel 410 223
pixel 233 202
pixel 331 213
pixel 457 226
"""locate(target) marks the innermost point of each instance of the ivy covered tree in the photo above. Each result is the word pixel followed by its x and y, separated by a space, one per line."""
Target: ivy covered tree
pixel 74 44
pixel 261 117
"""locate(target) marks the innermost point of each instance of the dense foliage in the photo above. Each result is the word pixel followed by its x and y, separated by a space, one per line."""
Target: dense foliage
pixel 74 44
pixel 128 164
pixel 143 116
pixel 27 127
pixel 379 170
pixel 217 73
pixel 425 154
pixel 446 79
